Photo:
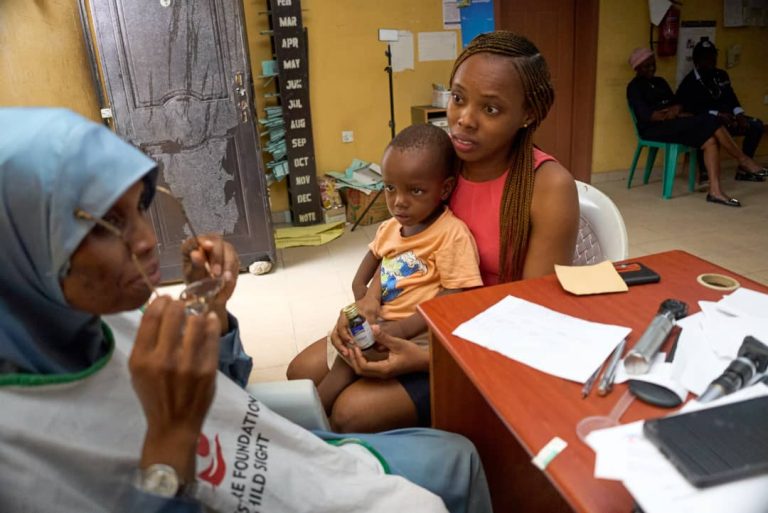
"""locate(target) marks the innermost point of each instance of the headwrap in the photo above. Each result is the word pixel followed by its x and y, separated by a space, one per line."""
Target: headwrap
pixel 51 162
pixel 639 56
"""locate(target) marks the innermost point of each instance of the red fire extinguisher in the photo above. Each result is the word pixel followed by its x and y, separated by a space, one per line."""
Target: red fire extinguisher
pixel 669 29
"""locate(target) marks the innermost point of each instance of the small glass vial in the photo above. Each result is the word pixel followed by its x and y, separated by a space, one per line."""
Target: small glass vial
pixel 359 327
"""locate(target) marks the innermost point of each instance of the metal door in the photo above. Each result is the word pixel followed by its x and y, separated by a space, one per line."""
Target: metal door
pixel 177 77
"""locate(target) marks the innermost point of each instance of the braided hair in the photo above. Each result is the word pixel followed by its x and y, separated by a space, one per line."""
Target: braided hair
pixel 515 211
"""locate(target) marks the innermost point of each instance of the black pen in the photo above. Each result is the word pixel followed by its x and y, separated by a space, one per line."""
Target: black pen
pixel 676 330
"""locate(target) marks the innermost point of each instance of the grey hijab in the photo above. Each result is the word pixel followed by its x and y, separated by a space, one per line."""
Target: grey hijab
pixel 52 161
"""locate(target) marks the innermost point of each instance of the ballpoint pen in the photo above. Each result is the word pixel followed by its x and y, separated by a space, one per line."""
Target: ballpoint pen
pixel 590 382
pixel 606 382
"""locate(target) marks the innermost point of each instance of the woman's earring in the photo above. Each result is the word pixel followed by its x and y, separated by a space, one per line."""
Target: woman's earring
pixel 525 125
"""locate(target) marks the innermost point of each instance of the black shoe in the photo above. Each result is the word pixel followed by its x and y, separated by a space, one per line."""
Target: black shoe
pixel 730 202
pixel 746 176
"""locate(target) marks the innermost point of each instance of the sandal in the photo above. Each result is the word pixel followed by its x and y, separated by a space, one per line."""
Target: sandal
pixel 729 202
pixel 748 176
pixel 762 172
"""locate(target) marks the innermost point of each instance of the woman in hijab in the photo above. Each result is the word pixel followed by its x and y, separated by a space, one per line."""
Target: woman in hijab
pixel 106 409
pixel 660 118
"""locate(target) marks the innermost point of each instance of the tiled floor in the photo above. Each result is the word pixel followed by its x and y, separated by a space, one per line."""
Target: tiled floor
pixel 282 312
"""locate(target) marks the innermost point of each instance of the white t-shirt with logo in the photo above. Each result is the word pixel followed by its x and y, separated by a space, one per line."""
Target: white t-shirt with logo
pixel 75 446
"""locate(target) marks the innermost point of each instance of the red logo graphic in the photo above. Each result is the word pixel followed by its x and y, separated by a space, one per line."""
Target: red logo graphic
pixel 214 465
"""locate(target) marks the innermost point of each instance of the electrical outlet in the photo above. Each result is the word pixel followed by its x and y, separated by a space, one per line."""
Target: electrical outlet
pixel 765 99
pixel 347 136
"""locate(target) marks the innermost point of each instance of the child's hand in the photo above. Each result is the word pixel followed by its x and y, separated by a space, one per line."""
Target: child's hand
pixel 340 336
pixel 369 308
pixel 394 329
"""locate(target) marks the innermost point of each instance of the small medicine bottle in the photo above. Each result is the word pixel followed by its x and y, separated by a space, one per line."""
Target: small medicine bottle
pixel 359 327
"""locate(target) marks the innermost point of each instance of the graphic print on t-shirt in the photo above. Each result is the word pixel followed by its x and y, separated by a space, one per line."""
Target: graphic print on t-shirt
pixel 213 464
pixel 393 269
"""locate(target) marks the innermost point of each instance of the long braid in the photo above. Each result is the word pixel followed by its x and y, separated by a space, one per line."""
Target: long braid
pixel 515 211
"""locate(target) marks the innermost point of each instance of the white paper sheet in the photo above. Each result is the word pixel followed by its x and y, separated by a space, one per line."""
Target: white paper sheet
pixel 611 448
pixel 660 374
pixel 437 46
pixel 546 340
pixel 402 51
pixel 745 302
pixel 696 364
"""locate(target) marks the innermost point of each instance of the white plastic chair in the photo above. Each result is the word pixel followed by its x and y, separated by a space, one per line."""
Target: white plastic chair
pixel 296 400
pixel 602 233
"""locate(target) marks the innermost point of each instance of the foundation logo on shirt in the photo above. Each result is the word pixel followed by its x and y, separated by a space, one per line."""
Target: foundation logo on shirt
pixel 393 269
pixel 211 461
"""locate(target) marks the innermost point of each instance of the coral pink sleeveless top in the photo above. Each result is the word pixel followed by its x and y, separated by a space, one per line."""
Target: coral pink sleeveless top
pixel 478 204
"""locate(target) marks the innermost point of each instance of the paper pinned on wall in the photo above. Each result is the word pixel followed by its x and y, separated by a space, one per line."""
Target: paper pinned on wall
pixel 402 51
pixel 437 46
pixel 658 8
pixel 733 13
pixel 451 15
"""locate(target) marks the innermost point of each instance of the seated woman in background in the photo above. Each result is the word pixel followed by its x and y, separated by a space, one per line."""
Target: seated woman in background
pixel 660 118
pixel 106 409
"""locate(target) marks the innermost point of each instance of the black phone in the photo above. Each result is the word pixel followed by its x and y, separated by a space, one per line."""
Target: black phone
pixel 635 273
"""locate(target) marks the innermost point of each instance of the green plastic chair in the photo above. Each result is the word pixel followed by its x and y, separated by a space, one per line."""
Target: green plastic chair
pixel 671 152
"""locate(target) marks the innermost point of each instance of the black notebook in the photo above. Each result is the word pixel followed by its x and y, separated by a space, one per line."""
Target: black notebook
pixel 715 445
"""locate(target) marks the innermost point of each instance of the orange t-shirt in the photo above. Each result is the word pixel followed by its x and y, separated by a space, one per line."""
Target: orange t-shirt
pixel 416 268
pixel 478 205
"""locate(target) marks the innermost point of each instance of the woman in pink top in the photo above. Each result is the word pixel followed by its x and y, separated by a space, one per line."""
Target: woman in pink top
pixel 519 203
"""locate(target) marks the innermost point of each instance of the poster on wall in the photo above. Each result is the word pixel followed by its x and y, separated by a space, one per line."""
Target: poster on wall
pixel 744 13
pixel 451 15
pixel 733 13
pixel 691 32
pixel 437 46
pixel 476 18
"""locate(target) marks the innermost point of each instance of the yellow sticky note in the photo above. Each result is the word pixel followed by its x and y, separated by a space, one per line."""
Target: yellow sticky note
pixel 582 280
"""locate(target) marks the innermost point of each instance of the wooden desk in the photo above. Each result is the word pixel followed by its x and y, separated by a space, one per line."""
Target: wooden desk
pixel 510 411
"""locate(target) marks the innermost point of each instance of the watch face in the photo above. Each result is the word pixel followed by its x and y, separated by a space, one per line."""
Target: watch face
pixel 160 480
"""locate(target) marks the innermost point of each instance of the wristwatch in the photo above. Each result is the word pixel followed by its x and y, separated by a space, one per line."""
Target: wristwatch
pixel 159 479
